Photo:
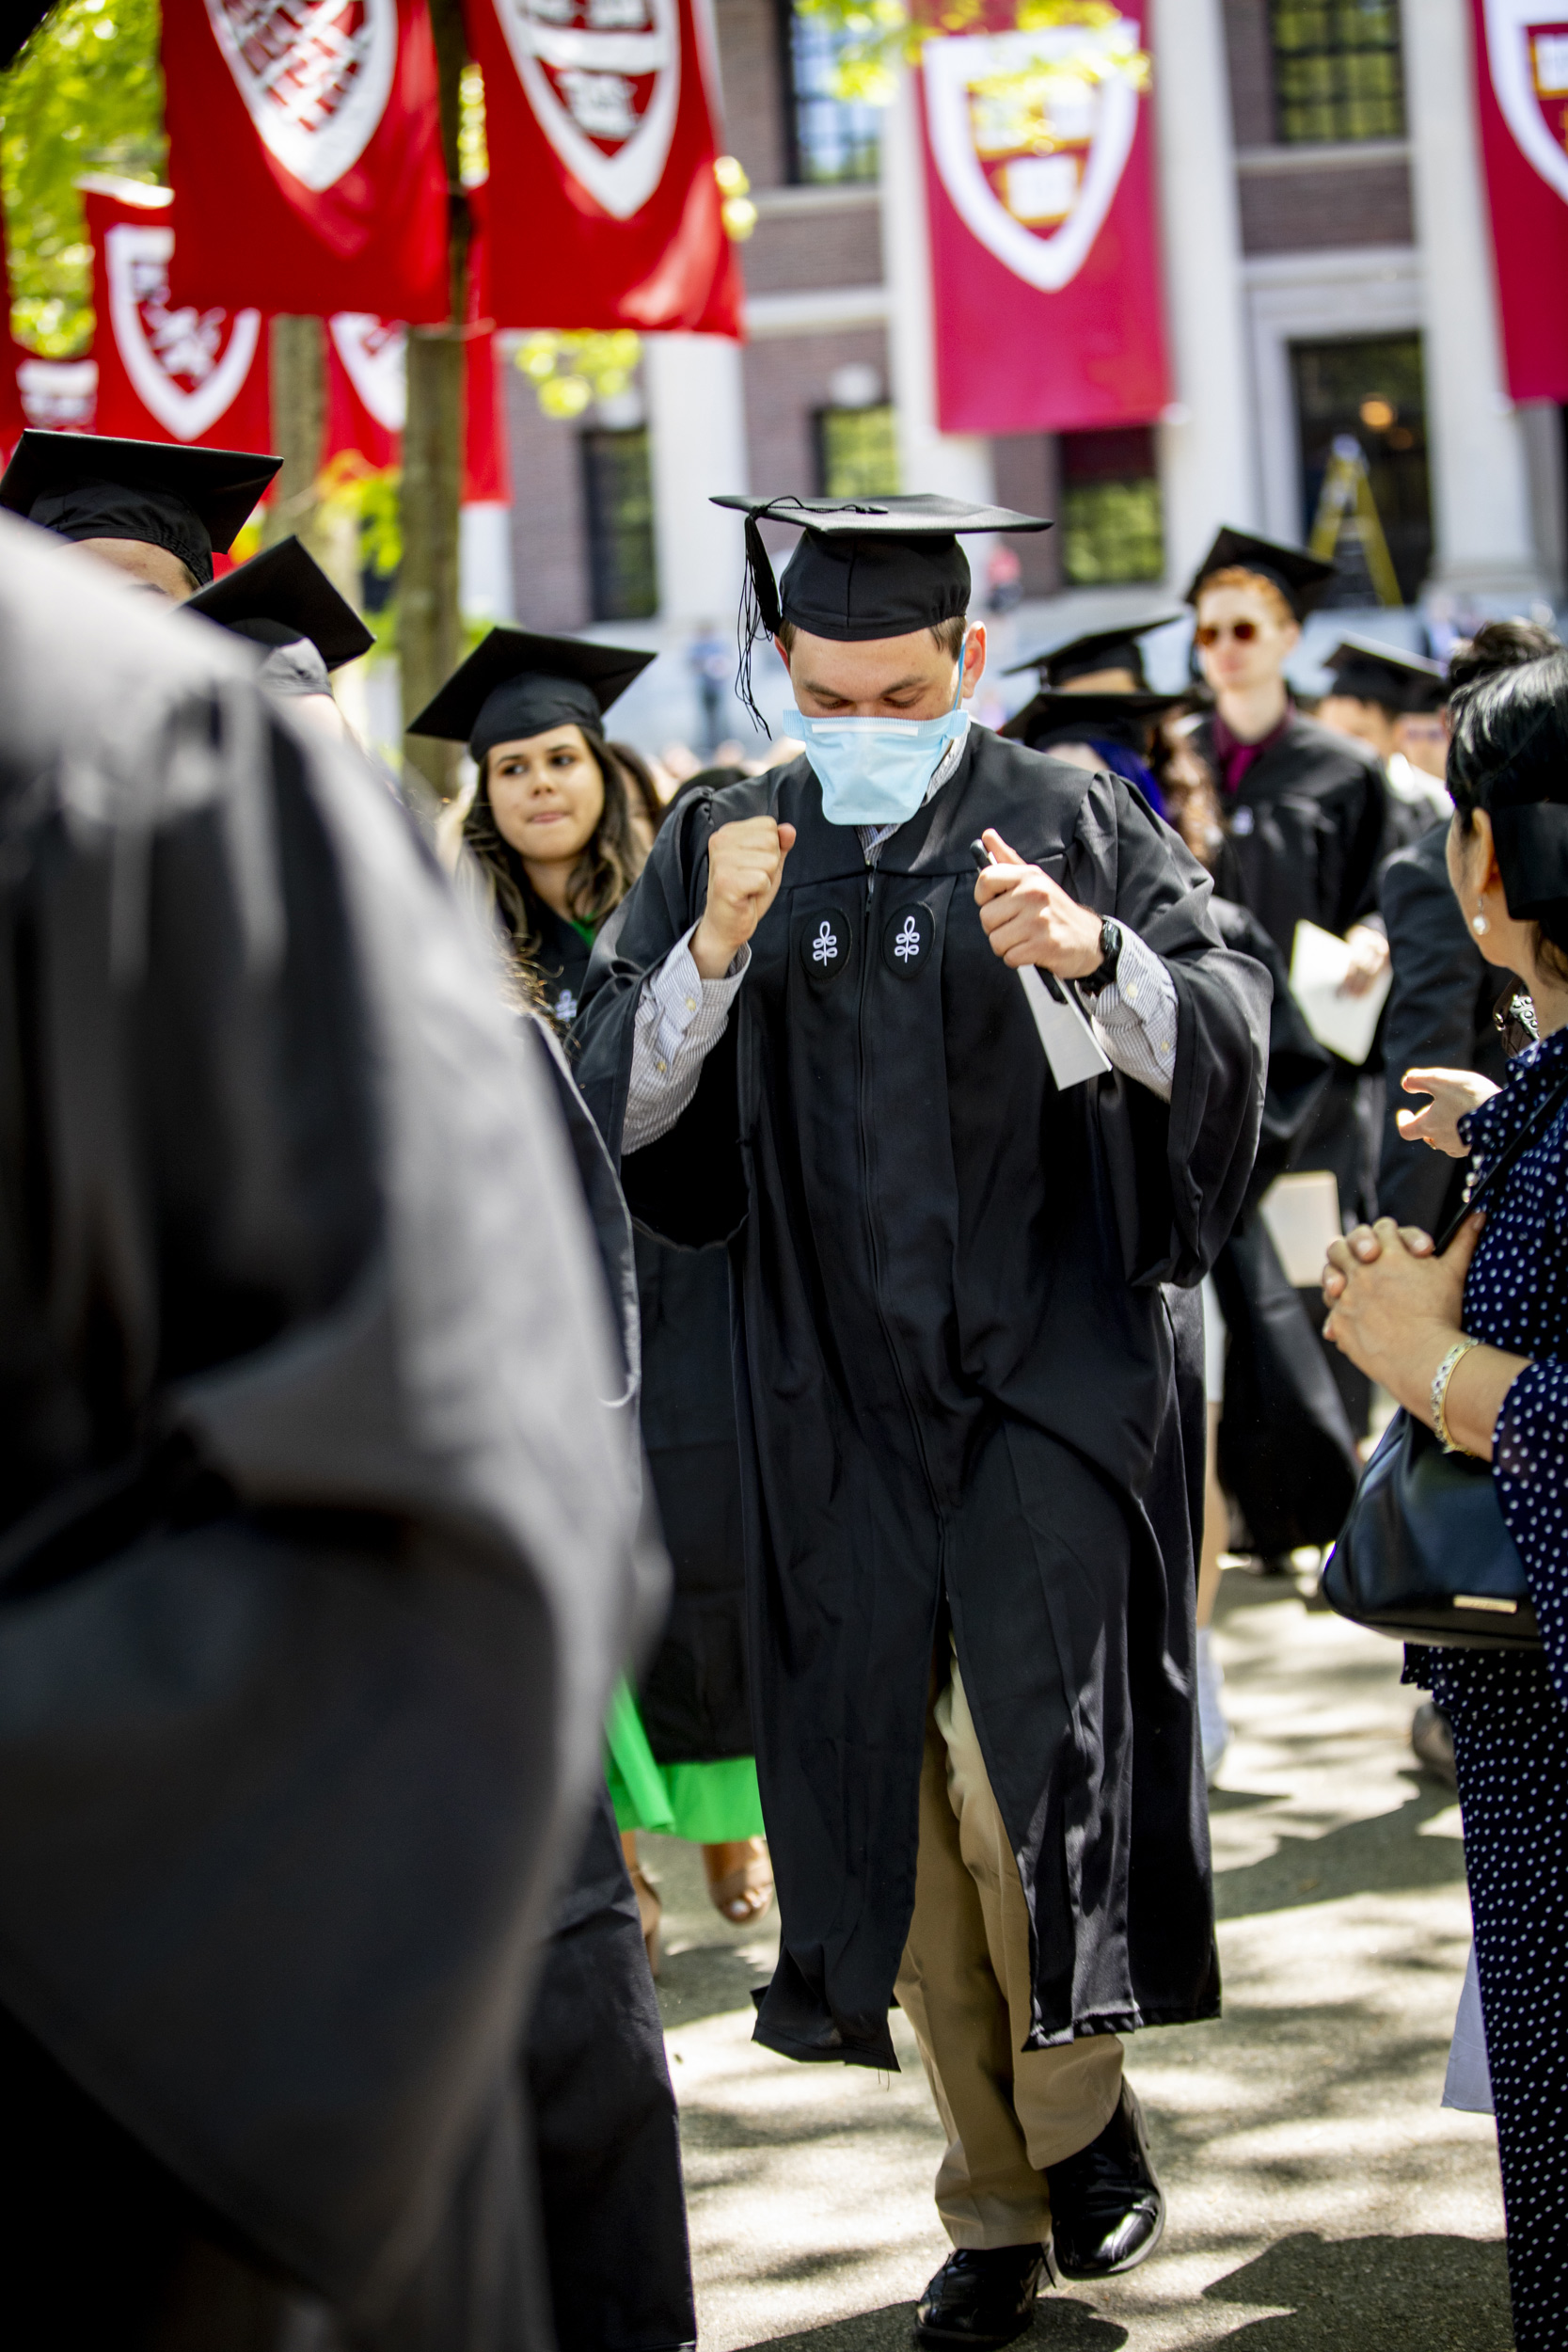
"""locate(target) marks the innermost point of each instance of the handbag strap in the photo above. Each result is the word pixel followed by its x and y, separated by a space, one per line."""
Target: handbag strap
pixel 1531 1133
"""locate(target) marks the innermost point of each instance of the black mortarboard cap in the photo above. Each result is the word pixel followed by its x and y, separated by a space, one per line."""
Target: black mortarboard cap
pixel 1106 650
pixel 1370 672
pixel 1300 578
pixel 83 485
pixel 280 597
pixel 516 684
pixel 1054 717
pixel 864 567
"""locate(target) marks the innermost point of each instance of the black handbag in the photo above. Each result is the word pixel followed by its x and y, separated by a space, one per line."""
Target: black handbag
pixel 1425 1554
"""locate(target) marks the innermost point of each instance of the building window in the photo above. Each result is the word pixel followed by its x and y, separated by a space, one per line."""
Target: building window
pixel 857 452
pixel 1362 405
pixel 828 138
pixel 1113 528
pixel 620 502
pixel 1337 73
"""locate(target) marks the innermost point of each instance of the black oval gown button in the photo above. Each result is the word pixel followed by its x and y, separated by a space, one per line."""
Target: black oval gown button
pixel 907 938
pixel 825 946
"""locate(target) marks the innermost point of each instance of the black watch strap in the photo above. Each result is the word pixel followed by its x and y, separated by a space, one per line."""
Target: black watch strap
pixel 1110 958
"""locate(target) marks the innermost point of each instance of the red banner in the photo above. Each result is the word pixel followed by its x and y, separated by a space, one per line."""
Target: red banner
pixel 303 148
pixel 600 120
pixel 367 401
pixel 1045 277
pixel 1522 95
pixel 169 371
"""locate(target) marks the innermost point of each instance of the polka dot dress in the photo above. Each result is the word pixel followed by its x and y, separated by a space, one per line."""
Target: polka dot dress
pixel 1509 1709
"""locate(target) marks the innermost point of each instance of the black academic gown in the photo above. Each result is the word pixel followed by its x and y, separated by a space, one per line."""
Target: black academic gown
pixel 1306 831
pixel 1438 1016
pixel 1286 1449
pixel 694 1698
pixel 953 1328
pixel 306 1485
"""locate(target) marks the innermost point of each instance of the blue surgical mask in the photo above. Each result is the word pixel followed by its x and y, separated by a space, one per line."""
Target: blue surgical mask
pixel 876 772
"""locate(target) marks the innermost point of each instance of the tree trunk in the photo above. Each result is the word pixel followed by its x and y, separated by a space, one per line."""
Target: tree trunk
pixel 429 620
pixel 298 359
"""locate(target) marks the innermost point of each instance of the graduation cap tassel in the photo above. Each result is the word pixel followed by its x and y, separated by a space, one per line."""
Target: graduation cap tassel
pixel 759 611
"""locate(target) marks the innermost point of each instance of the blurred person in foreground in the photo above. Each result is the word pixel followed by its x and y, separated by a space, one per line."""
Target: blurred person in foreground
pixel 1475 1344
pixel 317 1541
pixel 1444 1025
pixel 970 1551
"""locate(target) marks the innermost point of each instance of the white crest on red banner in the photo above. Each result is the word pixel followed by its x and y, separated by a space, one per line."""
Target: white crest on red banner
pixel 315 76
pixel 1031 133
pixel 1528 55
pixel 374 354
pixel 603 79
pixel 186 365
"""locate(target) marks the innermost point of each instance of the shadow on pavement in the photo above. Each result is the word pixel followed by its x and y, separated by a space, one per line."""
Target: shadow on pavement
pixel 1377 2293
pixel 1060 2321
pixel 1383 1856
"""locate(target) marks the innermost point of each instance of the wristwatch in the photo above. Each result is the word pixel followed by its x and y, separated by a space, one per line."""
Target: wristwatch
pixel 1109 956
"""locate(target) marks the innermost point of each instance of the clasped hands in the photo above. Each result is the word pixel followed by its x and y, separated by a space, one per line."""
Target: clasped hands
pixel 1396 1308
pixel 1028 917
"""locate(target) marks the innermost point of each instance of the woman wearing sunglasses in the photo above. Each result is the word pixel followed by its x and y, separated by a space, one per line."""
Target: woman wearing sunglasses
pixel 1305 812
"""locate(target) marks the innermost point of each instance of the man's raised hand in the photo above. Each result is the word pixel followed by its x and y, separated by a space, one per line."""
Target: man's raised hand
pixel 1030 919
pixel 745 866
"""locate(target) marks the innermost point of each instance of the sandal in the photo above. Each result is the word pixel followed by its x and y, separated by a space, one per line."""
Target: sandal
pixel 739 1879
pixel 650 1910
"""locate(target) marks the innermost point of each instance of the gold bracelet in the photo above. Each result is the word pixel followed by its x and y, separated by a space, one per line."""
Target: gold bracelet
pixel 1440 1380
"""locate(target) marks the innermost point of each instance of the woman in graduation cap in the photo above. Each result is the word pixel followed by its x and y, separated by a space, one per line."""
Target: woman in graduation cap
pixel 967 1452
pixel 153 511
pixel 605 2139
pixel 551 827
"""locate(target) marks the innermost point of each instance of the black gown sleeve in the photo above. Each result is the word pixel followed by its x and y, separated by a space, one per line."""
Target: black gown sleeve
pixel 1179 1171
pixel 689 1187
pixel 1440 980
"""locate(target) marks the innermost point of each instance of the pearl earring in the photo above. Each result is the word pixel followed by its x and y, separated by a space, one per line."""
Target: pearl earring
pixel 1481 925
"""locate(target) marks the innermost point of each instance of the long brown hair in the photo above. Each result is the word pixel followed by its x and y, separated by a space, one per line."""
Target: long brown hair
pixel 607 864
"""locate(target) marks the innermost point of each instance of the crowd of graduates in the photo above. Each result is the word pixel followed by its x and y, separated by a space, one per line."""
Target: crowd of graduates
pixel 754 1313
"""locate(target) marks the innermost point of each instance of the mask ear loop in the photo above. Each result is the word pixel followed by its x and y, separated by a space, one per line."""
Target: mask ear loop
pixel 759 610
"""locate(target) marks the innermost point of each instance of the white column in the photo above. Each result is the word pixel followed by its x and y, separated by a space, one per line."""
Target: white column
pixel 1207 463
pixel 949 465
pixel 1484 543
pixel 697 446
pixel 484 562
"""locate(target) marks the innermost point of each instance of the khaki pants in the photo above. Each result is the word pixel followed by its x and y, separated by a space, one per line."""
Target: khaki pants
pixel 963 1984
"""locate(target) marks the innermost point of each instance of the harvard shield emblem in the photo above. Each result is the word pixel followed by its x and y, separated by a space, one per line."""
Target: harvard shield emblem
pixel 1031 133
pixel 1526 50
pixel 374 354
pixel 315 76
pixel 186 366
pixel 603 79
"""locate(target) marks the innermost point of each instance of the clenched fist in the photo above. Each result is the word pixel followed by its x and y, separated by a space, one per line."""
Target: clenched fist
pixel 1030 919
pixel 745 866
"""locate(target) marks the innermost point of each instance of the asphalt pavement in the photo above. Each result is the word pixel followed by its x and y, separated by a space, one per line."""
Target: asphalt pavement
pixel 1319 2195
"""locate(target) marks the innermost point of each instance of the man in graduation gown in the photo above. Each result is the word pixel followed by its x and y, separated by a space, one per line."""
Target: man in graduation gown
pixel 969 1474
pixel 152 511
pixel 1377 690
pixel 283 603
pixel 1305 813
pixel 317 1543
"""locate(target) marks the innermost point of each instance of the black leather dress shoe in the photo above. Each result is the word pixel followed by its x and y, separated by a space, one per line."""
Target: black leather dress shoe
pixel 982 2297
pixel 1107 2207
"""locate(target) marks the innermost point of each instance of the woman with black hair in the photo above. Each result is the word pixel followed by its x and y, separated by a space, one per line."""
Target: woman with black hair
pixel 1475 1344
pixel 557 828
